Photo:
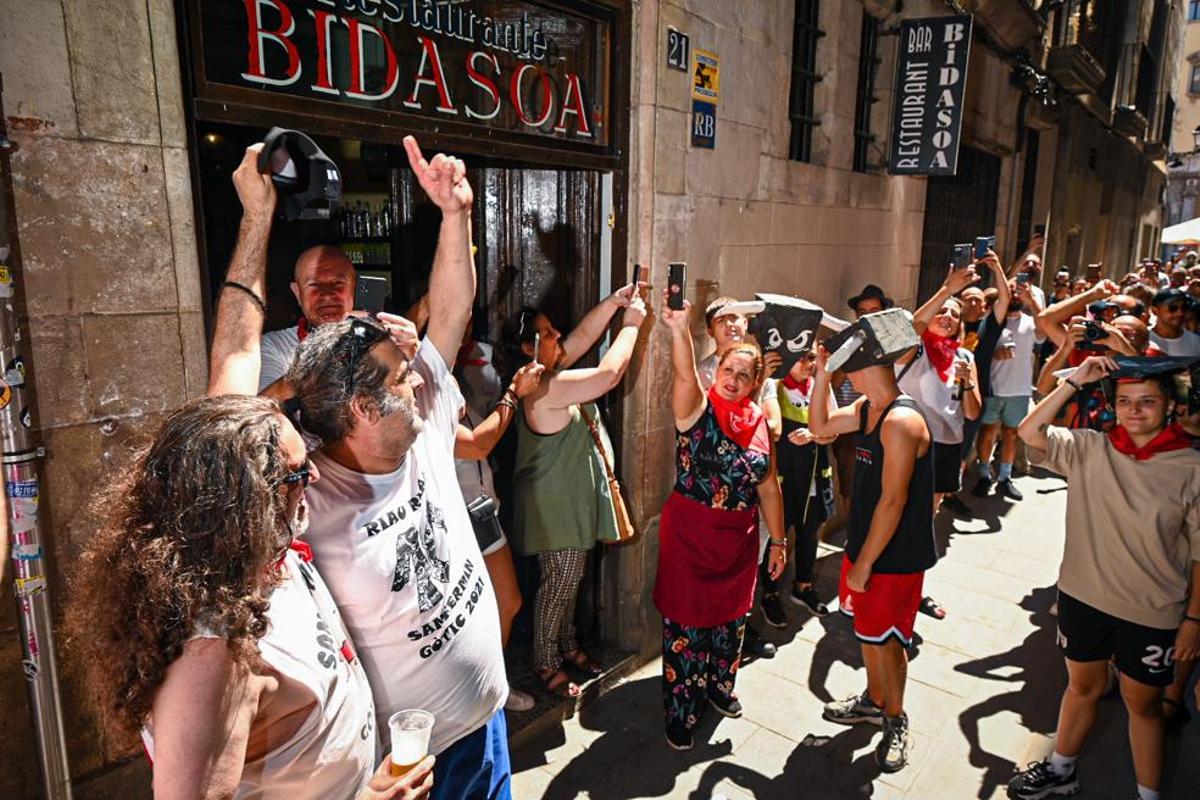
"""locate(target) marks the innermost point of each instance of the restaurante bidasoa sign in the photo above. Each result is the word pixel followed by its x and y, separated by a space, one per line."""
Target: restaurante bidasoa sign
pixel 931 77
pixel 515 65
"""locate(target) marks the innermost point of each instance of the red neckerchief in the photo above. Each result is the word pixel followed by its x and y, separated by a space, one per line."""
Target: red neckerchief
pixel 303 550
pixel 738 420
pixel 302 328
pixel 1172 437
pixel 795 385
pixel 941 351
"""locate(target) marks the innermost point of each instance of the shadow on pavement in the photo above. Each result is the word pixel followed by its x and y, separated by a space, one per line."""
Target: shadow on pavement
pixel 813 771
pixel 1034 669
pixel 630 718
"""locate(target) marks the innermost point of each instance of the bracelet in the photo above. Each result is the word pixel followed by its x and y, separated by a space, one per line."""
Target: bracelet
pixel 968 387
pixel 778 544
pixel 1073 384
pixel 247 290
pixel 1190 618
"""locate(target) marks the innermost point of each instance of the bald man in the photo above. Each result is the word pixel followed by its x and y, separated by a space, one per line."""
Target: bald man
pixel 323 284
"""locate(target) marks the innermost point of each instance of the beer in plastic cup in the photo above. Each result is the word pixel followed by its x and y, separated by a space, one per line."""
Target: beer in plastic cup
pixel 410 731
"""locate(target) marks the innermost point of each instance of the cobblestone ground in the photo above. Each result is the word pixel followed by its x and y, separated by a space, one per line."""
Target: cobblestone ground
pixel 983 694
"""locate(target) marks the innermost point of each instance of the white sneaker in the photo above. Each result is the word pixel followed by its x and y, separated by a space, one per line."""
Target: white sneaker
pixel 518 700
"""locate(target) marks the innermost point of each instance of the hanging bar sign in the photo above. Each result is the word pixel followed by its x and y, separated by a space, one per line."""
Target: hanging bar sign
pixel 931 78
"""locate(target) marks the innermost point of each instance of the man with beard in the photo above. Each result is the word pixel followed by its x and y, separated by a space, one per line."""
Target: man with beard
pixel 389 526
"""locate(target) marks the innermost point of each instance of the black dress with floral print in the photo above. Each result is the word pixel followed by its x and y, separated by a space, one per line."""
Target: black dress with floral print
pixel 712 469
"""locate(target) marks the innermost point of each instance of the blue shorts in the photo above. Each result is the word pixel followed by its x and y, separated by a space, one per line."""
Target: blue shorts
pixel 476 767
pixel 1008 411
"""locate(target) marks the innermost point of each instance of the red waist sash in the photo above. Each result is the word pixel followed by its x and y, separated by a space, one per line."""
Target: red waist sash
pixel 707 562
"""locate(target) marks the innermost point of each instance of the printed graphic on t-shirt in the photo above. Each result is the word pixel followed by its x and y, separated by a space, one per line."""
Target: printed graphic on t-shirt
pixel 417 557
pixel 863 455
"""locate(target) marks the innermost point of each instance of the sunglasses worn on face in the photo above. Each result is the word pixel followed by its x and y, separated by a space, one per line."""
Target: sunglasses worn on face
pixel 300 476
pixel 1174 308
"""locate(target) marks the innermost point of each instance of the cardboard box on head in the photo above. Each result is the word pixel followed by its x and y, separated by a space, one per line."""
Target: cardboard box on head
pixel 788 326
pixel 874 340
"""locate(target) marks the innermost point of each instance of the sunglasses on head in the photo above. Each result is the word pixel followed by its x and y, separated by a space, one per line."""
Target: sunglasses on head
pixel 364 333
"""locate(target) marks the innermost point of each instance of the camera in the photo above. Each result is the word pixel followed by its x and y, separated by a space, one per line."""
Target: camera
pixel 1092 334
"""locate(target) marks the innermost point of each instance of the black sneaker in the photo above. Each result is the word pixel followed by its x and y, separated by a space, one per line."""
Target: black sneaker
pixel 679 738
pixel 1037 781
pixel 773 610
pixel 810 600
pixel 854 709
pixel 726 706
pixel 982 487
pixel 954 504
pixel 756 646
pixel 891 754
pixel 1007 489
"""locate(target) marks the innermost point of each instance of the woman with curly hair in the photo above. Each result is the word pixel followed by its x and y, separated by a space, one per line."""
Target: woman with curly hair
pixel 201 625
pixel 708 533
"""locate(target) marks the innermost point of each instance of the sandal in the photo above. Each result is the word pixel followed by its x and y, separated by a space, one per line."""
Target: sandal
pixel 1175 713
pixel 557 683
pixel 932 608
pixel 580 661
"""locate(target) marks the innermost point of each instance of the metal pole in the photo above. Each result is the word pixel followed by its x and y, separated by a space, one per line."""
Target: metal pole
pixel 22 488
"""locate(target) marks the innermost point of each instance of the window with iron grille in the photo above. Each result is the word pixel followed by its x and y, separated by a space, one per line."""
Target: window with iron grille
pixel 1194 80
pixel 868 63
pixel 805 34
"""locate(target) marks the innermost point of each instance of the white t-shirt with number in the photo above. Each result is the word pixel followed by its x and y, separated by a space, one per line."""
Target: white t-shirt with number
pixel 400 556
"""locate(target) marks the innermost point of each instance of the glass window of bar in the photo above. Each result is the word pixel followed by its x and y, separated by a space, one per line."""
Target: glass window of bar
pixel 805 34
pixel 868 63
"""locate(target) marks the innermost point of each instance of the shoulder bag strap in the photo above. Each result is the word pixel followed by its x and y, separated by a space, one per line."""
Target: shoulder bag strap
pixel 591 424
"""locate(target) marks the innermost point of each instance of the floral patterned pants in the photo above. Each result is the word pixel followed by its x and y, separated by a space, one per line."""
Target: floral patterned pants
pixel 697 662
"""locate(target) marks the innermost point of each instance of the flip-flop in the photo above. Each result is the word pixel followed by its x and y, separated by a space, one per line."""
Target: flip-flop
pixel 932 608
pixel 558 683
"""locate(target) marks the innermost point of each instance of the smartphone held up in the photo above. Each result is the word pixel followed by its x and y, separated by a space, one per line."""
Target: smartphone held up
pixel 676 279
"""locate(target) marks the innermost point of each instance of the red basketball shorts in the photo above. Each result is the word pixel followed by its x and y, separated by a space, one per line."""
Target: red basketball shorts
pixel 888 608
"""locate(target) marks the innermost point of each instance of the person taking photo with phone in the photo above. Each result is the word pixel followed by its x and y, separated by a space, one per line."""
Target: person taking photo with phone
pixel 561 495
pixel 708 534
pixel 1129 583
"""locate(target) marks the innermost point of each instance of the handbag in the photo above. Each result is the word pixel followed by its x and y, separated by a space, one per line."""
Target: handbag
pixel 625 528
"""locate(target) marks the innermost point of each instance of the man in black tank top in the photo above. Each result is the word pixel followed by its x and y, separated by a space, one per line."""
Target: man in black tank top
pixel 890 541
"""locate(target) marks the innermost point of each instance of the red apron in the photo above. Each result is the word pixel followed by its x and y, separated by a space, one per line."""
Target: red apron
pixel 707 563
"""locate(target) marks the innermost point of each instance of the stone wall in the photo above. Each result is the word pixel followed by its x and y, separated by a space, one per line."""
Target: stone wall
pixel 104 206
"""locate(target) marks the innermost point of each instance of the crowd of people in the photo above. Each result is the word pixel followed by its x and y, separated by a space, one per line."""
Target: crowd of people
pixel 315 545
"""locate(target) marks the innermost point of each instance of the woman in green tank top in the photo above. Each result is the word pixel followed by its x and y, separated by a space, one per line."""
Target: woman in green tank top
pixel 561 500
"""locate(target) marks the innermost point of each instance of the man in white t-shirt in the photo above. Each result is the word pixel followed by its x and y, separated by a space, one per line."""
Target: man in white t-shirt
pixel 323 283
pixel 1009 392
pixel 389 527
pixel 1168 334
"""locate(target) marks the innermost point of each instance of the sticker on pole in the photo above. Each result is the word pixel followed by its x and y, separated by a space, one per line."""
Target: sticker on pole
pixel 14 373
pixel 22 488
pixel 5 394
pixel 6 282
pixel 26 417
pixel 30 668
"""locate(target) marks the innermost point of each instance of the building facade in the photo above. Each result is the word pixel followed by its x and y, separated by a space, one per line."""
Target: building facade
pixel 1183 163
pixel 127 119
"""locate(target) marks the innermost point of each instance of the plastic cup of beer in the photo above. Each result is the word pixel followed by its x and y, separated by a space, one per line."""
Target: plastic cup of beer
pixel 410 731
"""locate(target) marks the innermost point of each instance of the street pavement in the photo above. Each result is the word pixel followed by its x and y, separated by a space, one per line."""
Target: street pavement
pixel 983 692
